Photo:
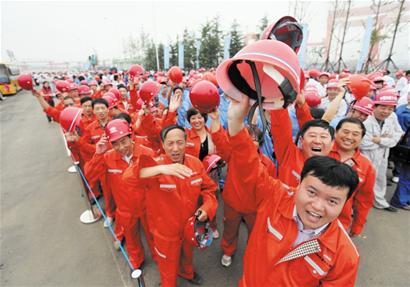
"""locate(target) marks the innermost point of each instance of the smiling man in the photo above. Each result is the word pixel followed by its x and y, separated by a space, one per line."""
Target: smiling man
pixel 349 135
pixel 297 239
pixel 315 138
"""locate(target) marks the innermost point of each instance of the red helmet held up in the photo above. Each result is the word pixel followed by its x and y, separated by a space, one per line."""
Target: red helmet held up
pixel 266 69
pixel 359 86
pixel 136 70
pixel 117 129
pixel 148 90
pixel 70 118
pixel 198 234
pixel 116 93
pixel 204 96
pixel 25 81
pixel 286 30
pixel 62 86
pixel 175 74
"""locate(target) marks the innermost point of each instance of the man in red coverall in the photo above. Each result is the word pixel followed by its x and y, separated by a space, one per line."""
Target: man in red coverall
pixel 111 163
pixel 297 239
pixel 174 182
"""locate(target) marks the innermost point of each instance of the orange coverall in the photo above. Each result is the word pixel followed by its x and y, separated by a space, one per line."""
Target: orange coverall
pixel 170 202
pixel 335 263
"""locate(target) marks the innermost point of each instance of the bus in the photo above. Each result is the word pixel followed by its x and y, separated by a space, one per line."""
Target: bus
pixel 8 79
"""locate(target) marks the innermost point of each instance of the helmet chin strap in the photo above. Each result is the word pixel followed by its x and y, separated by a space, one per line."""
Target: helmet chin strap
pixel 259 99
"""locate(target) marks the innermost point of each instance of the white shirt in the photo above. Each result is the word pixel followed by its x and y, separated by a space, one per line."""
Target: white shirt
pixel 341 111
pixel 306 234
pixel 127 158
pixel 389 81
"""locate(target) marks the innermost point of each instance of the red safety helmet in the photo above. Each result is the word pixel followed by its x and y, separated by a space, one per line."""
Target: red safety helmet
pixel 106 83
pixel 83 82
pixel 175 74
pixel 73 86
pixel 364 105
pixel 286 30
pixel 25 81
pixel 386 97
pixel 359 86
pixel 208 76
pixel 70 118
pixel 332 84
pixel 62 86
pixel 84 90
pixel 312 99
pixel 211 161
pixel 326 74
pixel 198 233
pixel 314 73
pixel 148 90
pixel 399 73
pixel 204 96
pixel 267 71
pixel 311 94
pixel 111 100
pixel 117 129
pixel 136 70
pixel 116 93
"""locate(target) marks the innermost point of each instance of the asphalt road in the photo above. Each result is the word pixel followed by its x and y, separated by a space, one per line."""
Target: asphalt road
pixel 43 242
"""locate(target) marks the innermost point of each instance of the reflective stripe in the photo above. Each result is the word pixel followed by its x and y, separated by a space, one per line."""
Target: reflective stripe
pixel 159 253
pixel 315 266
pixel 274 231
pixel 114 170
pixel 348 237
pixel 190 144
pixel 167 186
pixel 196 181
pixel 95 137
pixel 295 174
pixel 275 58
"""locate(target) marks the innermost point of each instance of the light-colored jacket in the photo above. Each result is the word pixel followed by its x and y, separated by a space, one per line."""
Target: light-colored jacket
pixel 390 133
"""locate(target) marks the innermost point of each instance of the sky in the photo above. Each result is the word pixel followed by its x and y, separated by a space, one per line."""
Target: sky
pixel 70 31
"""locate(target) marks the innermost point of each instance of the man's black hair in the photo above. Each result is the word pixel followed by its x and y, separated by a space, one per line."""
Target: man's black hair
pixel 123 116
pixel 352 121
pixel 169 128
pixel 331 172
pixel 317 113
pixel 177 88
pixel 100 101
pixel 85 99
pixel 317 123
pixel 192 112
pixel 119 86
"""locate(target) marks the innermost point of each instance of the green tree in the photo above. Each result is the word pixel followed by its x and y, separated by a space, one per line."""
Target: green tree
pixel 173 53
pixel 236 39
pixel 211 48
pixel 189 50
pixel 150 60
pixel 263 23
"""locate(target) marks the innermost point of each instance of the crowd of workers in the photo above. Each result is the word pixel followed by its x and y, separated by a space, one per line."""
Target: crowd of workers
pixel 300 156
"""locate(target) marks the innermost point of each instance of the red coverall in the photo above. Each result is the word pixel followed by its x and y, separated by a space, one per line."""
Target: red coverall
pixel 235 208
pixel 275 231
pixel 362 199
pixel 170 202
pixel 86 145
pixel 129 199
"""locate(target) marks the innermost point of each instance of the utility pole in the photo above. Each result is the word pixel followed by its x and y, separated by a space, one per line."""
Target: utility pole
pixel 343 38
pixel 326 63
pixel 389 59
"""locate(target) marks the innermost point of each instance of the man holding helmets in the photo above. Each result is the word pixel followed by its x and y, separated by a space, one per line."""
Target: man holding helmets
pixel 174 182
